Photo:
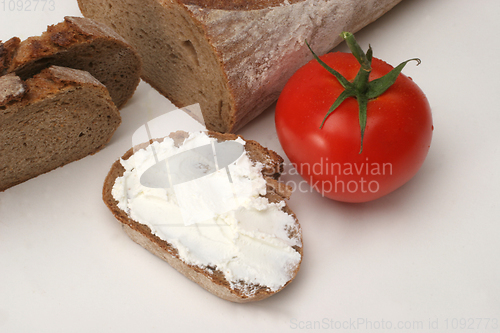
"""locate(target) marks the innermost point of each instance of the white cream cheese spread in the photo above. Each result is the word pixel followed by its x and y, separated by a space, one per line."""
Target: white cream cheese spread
pixel 220 220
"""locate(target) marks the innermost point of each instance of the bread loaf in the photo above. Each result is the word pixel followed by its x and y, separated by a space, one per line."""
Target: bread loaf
pixel 58 116
pixel 211 276
pixel 78 43
pixel 232 57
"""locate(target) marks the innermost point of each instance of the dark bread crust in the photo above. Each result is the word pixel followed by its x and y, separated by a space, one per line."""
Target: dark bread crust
pixel 78 43
pixel 62 115
pixel 7 51
pixel 209 278
pixel 237 4
pixel 12 89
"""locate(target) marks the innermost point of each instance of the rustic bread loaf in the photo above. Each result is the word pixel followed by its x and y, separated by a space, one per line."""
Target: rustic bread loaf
pixel 232 57
pixel 78 43
pixel 58 116
pixel 210 278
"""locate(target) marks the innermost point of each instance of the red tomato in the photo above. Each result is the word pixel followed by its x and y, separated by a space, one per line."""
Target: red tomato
pixel 396 140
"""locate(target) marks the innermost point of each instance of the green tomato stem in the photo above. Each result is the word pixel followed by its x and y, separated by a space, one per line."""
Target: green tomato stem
pixel 361 80
pixel 360 88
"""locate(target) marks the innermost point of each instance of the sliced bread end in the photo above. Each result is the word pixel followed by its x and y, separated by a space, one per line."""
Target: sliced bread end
pixel 79 43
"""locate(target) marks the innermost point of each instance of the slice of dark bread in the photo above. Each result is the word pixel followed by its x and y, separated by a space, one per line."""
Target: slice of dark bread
pixel 210 279
pixel 78 43
pixel 58 116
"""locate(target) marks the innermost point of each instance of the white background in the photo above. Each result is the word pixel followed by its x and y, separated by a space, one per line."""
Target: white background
pixel 424 257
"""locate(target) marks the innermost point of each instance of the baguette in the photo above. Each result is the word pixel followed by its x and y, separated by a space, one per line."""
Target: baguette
pixel 209 277
pixel 231 57
pixel 78 43
pixel 58 116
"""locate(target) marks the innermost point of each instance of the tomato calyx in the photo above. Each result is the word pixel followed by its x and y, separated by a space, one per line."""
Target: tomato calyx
pixel 361 88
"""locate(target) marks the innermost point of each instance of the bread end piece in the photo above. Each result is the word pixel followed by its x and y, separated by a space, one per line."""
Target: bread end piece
pixel 231 57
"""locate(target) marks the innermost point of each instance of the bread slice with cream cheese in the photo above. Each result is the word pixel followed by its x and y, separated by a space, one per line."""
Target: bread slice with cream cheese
pixel 278 253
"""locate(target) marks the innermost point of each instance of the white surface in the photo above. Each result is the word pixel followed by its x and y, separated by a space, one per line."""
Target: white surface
pixel 425 257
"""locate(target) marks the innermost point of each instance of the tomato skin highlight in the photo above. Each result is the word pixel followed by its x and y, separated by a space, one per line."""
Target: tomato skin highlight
pixel 397 137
